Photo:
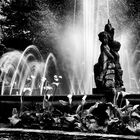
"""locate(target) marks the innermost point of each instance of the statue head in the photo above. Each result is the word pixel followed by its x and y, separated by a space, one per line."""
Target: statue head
pixel 108 27
pixel 103 37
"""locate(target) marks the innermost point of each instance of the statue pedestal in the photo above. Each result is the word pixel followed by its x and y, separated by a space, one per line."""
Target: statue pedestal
pixel 108 93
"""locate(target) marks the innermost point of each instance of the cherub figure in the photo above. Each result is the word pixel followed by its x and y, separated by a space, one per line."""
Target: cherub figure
pixel 105 63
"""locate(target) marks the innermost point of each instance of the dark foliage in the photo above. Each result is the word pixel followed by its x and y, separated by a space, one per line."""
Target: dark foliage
pixel 98 118
pixel 21 22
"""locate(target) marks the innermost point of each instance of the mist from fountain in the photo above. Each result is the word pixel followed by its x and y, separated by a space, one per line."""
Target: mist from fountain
pixel 77 48
pixel 126 59
pixel 79 45
pixel 24 71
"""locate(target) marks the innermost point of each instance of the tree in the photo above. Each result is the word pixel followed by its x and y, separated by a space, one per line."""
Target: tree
pixel 20 22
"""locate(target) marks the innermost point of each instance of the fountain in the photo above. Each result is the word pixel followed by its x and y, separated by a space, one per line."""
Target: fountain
pixel 26 81
pixel 28 71
pixel 25 72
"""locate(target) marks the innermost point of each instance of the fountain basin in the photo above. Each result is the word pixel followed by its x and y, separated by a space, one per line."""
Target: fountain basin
pixel 31 134
pixel 7 103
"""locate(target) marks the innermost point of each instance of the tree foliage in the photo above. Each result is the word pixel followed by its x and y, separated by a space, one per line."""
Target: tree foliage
pixel 22 22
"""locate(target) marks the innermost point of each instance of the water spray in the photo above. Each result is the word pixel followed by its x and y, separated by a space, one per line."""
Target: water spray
pixel 56 84
pixel 45 70
pixel 70 98
pixel 84 99
pixel 49 95
pixel 74 13
pixel 107 3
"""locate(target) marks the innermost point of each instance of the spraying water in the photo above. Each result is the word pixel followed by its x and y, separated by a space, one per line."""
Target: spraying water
pixel 79 46
pixel 23 72
pixel 21 61
pixel 45 71
pixel 88 44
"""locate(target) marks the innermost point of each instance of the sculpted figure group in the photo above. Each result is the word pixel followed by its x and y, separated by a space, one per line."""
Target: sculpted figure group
pixel 108 72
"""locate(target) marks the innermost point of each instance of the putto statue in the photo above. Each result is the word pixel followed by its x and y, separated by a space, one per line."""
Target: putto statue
pixel 108 72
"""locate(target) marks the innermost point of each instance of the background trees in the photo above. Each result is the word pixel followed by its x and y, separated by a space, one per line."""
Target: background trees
pixel 25 22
